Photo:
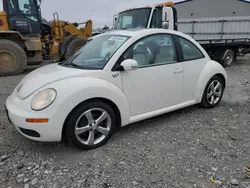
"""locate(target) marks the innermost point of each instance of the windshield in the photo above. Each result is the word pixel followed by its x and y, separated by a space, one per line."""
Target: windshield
pixel 29 9
pixel 96 53
pixel 137 18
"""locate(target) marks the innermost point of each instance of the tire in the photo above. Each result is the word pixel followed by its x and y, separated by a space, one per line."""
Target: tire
pixel 229 58
pixel 78 116
pixel 206 101
pixel 16 58
pixel 73 46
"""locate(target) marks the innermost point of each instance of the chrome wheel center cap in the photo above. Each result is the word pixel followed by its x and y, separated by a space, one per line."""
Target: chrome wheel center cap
pixel 93 126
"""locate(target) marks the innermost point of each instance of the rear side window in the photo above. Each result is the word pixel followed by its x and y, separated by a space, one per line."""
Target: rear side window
pixel 189 50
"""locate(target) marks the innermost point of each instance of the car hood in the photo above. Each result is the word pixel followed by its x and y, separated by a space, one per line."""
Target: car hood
pixel 49 74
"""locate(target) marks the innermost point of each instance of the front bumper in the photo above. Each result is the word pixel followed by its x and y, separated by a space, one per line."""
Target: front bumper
pixel 45 132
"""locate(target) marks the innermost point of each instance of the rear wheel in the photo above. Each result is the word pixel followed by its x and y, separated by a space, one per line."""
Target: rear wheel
pixel 213 92
pixel 74 46
pixel 13 59
pixel 229 58
pixel 90 125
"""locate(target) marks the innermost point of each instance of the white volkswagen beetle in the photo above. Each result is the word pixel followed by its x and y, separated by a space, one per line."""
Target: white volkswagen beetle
pixel 116 79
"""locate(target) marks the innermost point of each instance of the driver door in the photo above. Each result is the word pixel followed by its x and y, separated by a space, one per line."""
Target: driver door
pixel 158 82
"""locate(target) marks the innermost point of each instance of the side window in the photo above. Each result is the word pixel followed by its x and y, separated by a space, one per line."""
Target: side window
pixel 12 7
pixel 156 21
pixel 152 50
pixel 189 50
pixel 28 9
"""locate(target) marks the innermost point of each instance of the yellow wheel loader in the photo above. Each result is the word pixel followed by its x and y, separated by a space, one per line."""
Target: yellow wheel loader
pixel 27 39
pixel 66 38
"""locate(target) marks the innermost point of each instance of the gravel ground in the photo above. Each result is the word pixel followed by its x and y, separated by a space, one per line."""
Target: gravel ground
pixel 180 149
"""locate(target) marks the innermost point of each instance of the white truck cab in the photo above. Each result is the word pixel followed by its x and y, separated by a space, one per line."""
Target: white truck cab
pixel 158 16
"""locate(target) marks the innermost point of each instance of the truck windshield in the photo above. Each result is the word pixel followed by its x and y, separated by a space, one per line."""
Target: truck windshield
pixel 96 53
pixel 136 18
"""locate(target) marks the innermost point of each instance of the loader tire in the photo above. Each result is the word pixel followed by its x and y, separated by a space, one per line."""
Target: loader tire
pixel 73 46
pixel 13 59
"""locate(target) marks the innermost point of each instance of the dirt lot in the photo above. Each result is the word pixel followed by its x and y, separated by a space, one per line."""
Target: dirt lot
pixel 181 149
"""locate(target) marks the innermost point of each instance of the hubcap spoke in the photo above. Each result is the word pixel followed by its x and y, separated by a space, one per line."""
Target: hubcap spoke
pixel 91 138
pixel 212 86
pixel 217 86
pixel 104 131
pixel 81 130
pixel 102 118
pixel 89 116
pixel 217 94
pixel 210 94
pixel 212 99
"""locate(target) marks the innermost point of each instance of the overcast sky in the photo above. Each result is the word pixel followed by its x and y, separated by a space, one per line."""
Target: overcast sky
pixel 100 11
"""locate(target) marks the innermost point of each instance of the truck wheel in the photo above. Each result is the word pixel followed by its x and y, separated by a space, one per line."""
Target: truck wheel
pixel 74 46
pixel 13 59
pixel 228 58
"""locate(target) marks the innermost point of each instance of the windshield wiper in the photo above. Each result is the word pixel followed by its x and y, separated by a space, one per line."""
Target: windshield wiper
pixel 73 65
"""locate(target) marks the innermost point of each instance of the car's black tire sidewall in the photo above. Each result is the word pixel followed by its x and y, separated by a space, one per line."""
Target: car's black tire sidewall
pixel 74 115
pixel 204 102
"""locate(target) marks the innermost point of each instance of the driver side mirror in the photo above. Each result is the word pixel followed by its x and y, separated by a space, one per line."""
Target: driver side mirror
pixel 129 64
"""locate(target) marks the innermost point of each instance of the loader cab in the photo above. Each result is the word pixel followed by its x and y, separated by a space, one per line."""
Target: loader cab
pixel 23 16
pixel 159 16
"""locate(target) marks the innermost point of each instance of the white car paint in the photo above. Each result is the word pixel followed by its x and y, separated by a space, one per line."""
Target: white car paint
pixel 170 87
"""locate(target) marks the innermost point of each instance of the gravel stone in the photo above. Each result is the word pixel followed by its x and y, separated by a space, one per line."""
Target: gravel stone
pixel 20 176
pixel 3 157
pixel 135 183
pixel 26 186
pixel 234 182
pixel 214 169
pixel 25 180
pixel 179 149
pixel 29 168
pixel 34 181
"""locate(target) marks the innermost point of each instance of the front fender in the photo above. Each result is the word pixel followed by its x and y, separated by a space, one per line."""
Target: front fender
pixel 73 91
pixel 210 69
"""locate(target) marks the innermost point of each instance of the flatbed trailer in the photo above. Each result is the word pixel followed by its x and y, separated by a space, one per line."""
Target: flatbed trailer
pixel 223 38
pixel 220 37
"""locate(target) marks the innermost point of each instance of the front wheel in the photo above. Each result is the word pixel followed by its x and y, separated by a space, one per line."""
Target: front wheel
pixel 91 125
pixel 213 92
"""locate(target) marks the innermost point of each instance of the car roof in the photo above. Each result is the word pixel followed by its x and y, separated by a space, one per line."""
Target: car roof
pixel 143 31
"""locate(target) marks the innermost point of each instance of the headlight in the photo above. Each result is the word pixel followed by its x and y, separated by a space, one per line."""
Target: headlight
pixel 43 99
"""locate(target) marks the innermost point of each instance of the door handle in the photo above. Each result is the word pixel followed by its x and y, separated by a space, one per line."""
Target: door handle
pixel 178 71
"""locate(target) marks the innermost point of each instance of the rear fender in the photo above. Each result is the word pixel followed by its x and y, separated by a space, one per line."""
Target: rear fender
pixel 210 69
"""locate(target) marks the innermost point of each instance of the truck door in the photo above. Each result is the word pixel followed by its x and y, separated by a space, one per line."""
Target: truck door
pixel 23 16
pixel 169 18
